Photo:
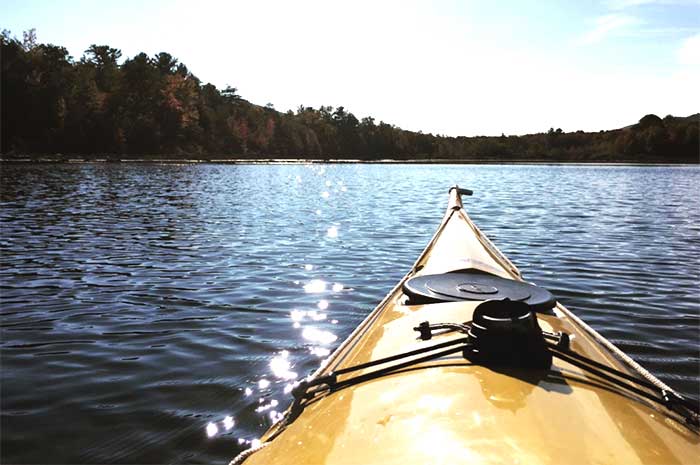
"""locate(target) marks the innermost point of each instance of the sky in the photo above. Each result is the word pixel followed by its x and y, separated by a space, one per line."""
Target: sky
pixel 443 67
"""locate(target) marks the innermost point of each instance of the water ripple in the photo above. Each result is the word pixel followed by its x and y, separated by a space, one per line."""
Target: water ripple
pixel 160 313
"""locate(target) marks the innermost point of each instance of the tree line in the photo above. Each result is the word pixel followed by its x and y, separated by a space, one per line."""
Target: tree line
pixel 153 106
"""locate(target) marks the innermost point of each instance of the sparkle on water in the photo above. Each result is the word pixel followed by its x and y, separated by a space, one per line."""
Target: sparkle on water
pixel 263 384
pixel 281 366
pixel 265 407
pixel 315 286
pixel 320 336
pixel 319 351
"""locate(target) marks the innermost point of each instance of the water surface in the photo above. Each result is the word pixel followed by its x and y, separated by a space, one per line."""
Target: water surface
pixel 157 313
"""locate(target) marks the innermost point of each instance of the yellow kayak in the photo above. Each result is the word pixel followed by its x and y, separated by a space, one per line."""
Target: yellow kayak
pixel 465 362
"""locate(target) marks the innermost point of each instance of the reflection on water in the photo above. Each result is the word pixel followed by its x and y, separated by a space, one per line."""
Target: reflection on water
pixel 280 366
pixel 158 314
pixel 315 286
pixel 318 335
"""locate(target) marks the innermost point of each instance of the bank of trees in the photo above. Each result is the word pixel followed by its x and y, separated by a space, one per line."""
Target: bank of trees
pixel 153 106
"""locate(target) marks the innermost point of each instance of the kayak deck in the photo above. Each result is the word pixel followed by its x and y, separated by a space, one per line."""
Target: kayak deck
pixel 450 410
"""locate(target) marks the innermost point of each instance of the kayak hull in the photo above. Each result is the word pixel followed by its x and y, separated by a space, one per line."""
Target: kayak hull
pixel 450 410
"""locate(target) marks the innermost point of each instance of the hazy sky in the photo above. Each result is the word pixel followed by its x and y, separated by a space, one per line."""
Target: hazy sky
pixel 447 67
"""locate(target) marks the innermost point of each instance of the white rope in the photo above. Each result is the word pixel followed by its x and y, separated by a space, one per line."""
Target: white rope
pixel 240 458
pixel 616 351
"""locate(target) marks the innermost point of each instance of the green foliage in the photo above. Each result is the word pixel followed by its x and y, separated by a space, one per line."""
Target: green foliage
pixel 154 106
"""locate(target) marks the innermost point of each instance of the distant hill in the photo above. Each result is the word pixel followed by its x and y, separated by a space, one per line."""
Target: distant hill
pixel 670 119
pixel 691 119
pixel 155 108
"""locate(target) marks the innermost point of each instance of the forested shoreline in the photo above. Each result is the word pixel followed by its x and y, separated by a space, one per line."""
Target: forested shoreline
pixel 155 108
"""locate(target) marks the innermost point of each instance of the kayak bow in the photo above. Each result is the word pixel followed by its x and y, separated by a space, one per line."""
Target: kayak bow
pixel 465 362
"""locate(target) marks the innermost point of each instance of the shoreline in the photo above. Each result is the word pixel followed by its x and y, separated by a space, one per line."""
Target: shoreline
pixel 301 161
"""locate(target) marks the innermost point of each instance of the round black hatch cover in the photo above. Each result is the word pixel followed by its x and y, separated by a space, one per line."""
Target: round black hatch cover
pixel 475 285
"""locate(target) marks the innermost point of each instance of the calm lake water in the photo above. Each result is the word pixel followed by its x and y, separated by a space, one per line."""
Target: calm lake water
pixel 156 313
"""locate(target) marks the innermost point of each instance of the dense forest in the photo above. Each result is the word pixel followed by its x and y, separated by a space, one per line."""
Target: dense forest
pixel 154 107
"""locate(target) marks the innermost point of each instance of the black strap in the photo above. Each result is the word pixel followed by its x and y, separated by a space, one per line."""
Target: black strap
pixel 306 390
pixel 331 380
